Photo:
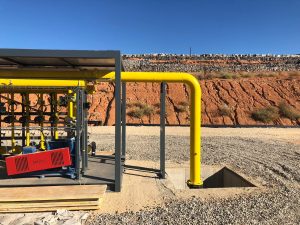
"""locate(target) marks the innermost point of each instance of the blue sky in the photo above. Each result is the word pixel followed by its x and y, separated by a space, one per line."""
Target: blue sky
pixel 153 26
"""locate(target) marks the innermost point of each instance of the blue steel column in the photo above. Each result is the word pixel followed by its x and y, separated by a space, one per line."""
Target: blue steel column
pixel 118 166
pixel 162 129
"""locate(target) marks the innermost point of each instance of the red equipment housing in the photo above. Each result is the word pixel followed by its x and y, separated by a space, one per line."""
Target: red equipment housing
pixel 38 161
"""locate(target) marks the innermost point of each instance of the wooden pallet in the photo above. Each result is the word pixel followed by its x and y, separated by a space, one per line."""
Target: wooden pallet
pixel 51 198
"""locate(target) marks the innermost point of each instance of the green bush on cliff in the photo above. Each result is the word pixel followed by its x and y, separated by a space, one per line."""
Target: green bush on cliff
pixel 288 111
pixel 140 109
pixel 266 115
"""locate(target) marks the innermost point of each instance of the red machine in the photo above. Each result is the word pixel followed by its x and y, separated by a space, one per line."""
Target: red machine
pixel 38 161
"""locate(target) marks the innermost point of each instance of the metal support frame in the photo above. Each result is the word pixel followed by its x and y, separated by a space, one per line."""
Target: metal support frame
pixel 78 148
pixel 52 113
pixel 162 130
pixel 23 124
pixel 123 120
pixel 85 130
pixel 26 78
pixel 0 123
pixel 118 145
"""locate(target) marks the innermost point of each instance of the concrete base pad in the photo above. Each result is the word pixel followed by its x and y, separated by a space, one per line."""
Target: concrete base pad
pixel 212 177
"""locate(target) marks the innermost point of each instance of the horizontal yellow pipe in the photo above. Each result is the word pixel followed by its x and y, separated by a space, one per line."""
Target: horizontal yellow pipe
pixel 53 74
pixel 41 83
pixel 195 123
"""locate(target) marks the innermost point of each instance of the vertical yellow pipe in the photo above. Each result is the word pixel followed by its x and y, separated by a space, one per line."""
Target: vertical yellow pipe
pixel 42 141
pixel 56 114
pixel 70 105
pixel 12 105
pixel 195 133
pixel 27 119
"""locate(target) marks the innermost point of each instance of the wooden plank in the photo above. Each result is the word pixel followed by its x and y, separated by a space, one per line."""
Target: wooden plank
pixel 17 205
pixel 52 193
pixel 92 207
pixel 49 201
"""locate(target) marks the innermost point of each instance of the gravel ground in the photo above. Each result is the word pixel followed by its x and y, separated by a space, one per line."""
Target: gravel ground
pixel 274 162
pixel 267 155
pixel 60 217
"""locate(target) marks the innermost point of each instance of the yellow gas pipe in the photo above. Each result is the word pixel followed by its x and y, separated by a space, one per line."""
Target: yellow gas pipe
pixel 195 122
pixel 42 141
pixel 70 105
pixel 12 109
pixel 27 119
pixel 40 83
pixel 56 114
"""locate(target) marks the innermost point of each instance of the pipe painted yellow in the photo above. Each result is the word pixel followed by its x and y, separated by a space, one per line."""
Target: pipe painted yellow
pixel 41 83
pixel 70 106
pixel 42 141
pixel 195 124
pixel 27 121
pixel 54 74
pixel 55 132
pixel 56 114
pixel 74 107
pixel 12 109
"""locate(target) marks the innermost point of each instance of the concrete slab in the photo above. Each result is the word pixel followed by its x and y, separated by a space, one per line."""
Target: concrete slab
pixel 227 178
pixel 179 176
pixel 101 171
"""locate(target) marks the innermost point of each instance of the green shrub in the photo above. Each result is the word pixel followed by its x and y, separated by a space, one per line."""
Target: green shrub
pixel 227 76
pixel 288 111
pixel 140 110
pixel 225 110
pixel 246 75
pixel 181 107
pixel 266 115
pixel 147 110
pixel 137 113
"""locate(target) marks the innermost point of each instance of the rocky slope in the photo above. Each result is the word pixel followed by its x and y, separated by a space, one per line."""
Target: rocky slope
pixel 239 97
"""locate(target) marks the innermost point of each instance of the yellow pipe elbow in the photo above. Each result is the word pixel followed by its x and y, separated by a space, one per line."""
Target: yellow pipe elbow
pixel 195 123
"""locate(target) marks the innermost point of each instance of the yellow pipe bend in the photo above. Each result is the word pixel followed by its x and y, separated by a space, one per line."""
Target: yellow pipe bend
pixel 195 107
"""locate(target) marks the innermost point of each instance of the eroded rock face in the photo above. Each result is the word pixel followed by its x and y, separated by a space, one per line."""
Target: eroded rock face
pixel 241 96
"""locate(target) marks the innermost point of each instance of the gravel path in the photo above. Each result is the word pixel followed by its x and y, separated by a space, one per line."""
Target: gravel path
pixel 275 162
